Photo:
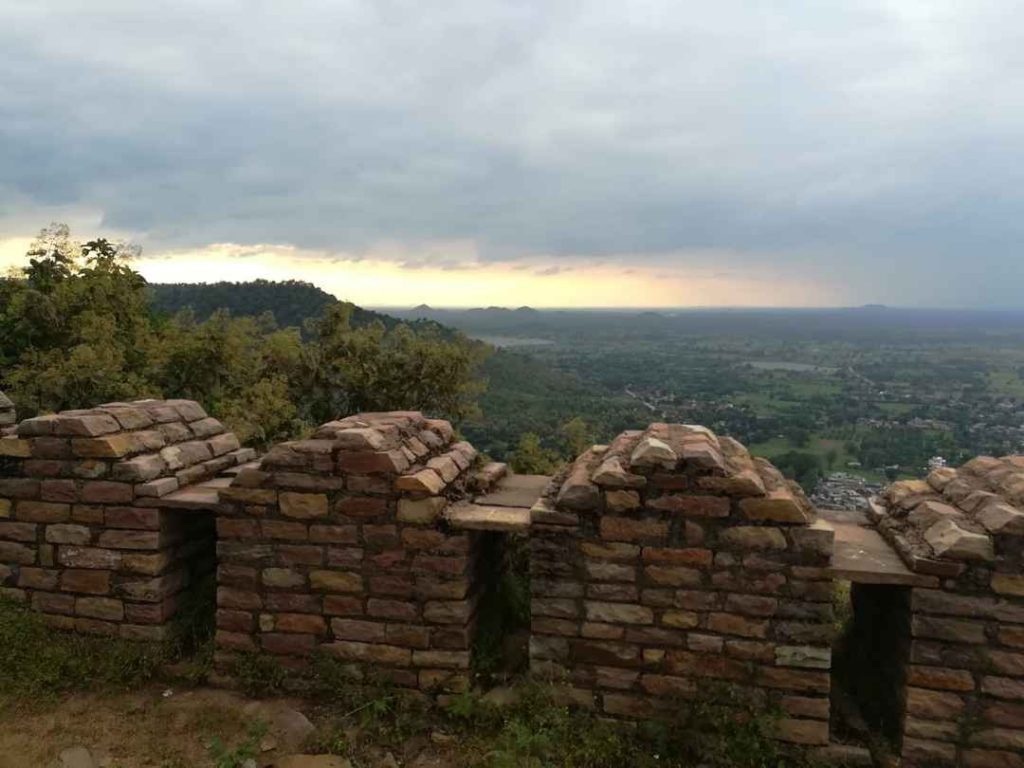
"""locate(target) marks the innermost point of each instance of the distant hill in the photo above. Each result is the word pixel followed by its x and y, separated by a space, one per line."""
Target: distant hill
pixel 291 301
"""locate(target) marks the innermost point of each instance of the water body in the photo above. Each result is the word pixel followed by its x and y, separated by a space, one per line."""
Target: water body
pixel 778 365
pixel 507 342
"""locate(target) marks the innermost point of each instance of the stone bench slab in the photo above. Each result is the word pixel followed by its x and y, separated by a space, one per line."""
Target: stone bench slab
pixel 864 557
pixel 515 491
pixel 479 517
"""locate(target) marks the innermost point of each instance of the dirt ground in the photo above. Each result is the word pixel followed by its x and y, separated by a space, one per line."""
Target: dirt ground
pixel 141 729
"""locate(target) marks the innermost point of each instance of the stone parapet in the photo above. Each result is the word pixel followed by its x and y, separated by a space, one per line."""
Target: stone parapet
pixel 75 542
pixel 8 417
pixel 964 698
pixel 338 545
pixel 671 559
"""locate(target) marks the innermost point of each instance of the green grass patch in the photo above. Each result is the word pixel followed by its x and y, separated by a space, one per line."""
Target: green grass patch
pixel 37 662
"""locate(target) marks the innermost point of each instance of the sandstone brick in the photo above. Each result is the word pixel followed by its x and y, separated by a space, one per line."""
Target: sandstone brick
pixel 238 599
pixel 447 612
pixel 24 532
pixel 333 534
pixel 248 495
pixel 421 511
pixel 305 623
pixel 632 530
pixel 287 644
pixel 987 758
pixel 303 506
pixel 933 705
pixel 363 631
pixel 342 605
pixel 336 581
pixel 58 490
pixel 923 752
pixel 284 531
pixel 86 581
pixel 693 506
pixel 282 578
pixel 1008 584
pixel 425 481
pixel 951 630
pixel 66 533
pixel 88 557
pixel 733 624
pixel 618 613
pixel 105 608
pixel 38 578
pixel 621 501
pixel 50 602
pixel 940 678
pixel 370 652
pixel 236 528
pixel 104 492
pixel 42 512
pixel 362 507
pixel 793 679
pixel 753 537
pixel 127 539
pixel 672 576
pixel 108 446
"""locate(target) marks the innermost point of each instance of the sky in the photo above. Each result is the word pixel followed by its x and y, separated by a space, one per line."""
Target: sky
pixel 563 153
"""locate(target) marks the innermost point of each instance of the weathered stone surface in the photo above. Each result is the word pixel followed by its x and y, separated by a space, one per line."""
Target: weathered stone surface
pixel 303 506
pixel 612 474
pixel 779 506
pixel 425 481
pixel 651 452
pixel 753 538
pixel 948 539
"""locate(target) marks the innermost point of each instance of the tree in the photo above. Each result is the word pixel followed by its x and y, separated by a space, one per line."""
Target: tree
pixel 578 436
pixel 375 369
pixel 531 458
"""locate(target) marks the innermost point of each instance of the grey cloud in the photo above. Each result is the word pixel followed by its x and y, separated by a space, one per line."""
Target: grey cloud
pixel 858 141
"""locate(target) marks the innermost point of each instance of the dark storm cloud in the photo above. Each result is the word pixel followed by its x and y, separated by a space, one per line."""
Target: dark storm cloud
pixel 877 143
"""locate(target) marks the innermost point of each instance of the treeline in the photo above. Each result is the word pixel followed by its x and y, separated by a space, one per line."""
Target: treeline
pixel 292 302
pixel 77 328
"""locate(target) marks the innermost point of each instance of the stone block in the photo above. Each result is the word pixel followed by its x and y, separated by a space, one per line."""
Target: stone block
pixel 42 512
pixel 633 530
pixel 303 506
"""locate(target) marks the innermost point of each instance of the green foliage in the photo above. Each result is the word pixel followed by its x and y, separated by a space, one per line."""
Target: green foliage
pixel 806 468
pixel 76 330
pixel 258 674
pixel 503 618
pixel 716 730
pixel 373 368
pixel 578 436
pixel 237 757
pixel 531 458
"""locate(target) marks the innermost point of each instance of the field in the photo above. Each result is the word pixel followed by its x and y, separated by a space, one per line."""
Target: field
pixel 876 392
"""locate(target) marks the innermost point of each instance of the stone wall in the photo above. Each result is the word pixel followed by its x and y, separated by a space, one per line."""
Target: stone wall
pixel 83 538
pixel 671 559
pixel 964 701
pixel 337 545
pixel 7 415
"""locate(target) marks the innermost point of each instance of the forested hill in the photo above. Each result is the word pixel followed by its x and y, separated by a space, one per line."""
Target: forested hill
pixel 291 301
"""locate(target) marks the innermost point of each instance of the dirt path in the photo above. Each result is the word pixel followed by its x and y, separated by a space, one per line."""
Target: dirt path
pixel 142 729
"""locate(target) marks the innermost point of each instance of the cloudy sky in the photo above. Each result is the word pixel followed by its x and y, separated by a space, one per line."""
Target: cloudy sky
pixel 549 152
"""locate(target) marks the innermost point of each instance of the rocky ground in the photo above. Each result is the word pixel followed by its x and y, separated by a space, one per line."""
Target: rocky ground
pixel 161 728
